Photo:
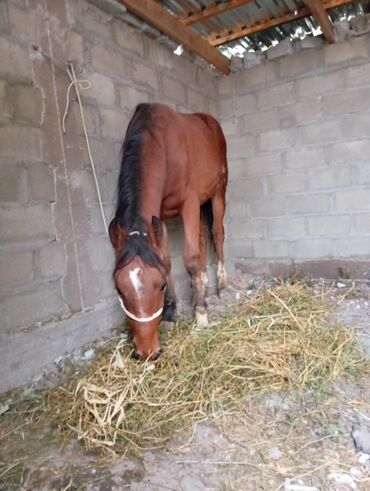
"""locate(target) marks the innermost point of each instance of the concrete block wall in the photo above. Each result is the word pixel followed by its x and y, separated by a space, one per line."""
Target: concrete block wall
pixel 56 290
pixel 298 132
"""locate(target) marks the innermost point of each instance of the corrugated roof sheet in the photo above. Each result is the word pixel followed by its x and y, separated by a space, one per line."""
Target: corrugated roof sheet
pixel 256 12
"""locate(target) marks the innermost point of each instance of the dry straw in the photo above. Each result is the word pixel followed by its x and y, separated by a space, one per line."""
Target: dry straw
pixel 281 339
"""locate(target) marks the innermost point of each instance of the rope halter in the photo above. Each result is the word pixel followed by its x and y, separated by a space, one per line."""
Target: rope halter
pixel 139 319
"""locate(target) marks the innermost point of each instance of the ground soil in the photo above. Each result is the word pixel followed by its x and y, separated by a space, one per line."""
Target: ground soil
pixel 282 441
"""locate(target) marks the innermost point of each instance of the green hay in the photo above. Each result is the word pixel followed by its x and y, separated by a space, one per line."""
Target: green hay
pixel 281 339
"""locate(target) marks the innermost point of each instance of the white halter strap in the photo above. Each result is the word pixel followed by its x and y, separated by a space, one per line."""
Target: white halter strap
pixel 139 319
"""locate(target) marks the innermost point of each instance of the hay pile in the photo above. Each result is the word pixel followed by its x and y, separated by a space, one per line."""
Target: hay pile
pixel 281 339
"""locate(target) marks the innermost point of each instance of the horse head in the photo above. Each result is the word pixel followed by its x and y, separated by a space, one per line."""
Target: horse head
pixel 140 279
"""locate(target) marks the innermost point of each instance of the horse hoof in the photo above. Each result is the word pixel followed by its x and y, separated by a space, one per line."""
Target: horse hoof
pixel 201 317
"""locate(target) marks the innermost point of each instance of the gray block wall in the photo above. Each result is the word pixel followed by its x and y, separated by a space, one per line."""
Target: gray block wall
pixel 56 262
pixel 298 132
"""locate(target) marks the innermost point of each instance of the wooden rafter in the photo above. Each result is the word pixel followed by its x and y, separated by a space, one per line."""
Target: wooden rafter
pixel 154 14
pixel 218 40
pixel 213 10
pixel 322 18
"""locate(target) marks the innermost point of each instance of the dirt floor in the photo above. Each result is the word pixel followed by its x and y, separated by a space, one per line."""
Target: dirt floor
pixel 283 441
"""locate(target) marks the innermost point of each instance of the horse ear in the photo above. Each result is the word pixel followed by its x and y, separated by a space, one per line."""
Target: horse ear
pixel 158 230
pixel 116 235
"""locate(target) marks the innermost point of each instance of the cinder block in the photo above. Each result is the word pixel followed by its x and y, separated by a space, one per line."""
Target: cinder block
pixel 11 179
pixel 110 61
pixel 5 103
pixel 241 147
pixel 240 249
pixel 287 183
pixel 251 59
pixel 265 248
pixel 345 51
pixel 97 21
pixel 277 140
pixel 300 63
pixel 236 64
pixel 285 227
pixel 74 50
pixel 358 75
pixel 22 22
pixel 41 304
pixel 300 113
pixel 237 209
pixel 269 164
pixel 334 177
pixel 360 25
pixel 102 89
pixel 174 89
pixel 159 55
pixel 304 159
pixel 341 30
pixel 246 187
pixel 16 269
pixel 246 229
pixel 328 225
pixel 92 121
pixel 319 85
pixel 41 182
pixel 284 48
pixel 244 104
pixel 309 42
pixel 224 85
pixel 351 151
pixel 52 260
pixel 347 102
pixel 236 169
pixel 197 102
pixel 259 121
pixel 322 132
pixel 20 223
pixel 227 109
pixel 128 38
pixel 308 203
pixel 109 182
pixel 20 142
pixel 259 76
pixel 357 125
pixel 271 207
pixel 352 247
pixel 131 97
pixel 311 248
pixel 15 61
pixel 101 254
pixel 362 224
pixel 230 127
pixel 276 96
pixel 106 153
pixel 113 124
pixel 363 173
pixel 28 104
pixel 353 200
pixel 144 75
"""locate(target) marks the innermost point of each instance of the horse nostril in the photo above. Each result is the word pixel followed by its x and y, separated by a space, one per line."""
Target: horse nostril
pixel 155 356
pixel 136 356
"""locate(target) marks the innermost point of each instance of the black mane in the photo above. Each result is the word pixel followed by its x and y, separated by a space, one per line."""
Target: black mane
pixel 129 193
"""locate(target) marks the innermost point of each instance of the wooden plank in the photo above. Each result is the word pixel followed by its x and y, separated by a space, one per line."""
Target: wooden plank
pixel 248 31
pixel 170 25
pixel 322 18
pixel 213 10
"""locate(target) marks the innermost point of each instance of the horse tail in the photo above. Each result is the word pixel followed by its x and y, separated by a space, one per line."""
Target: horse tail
pixel 206 216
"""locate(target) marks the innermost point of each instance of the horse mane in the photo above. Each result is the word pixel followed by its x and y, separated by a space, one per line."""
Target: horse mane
pixel 129 192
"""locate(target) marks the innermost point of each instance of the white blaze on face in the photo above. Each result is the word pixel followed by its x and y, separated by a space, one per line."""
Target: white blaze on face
pixel 136 280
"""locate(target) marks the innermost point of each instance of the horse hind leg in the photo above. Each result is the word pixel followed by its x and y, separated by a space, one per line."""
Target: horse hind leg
pixel 203 244
pixel 218 210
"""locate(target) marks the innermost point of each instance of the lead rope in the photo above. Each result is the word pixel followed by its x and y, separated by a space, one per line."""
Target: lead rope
pixel 84 85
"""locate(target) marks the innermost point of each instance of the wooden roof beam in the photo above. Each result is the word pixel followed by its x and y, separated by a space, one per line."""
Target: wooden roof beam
pixel 169 24
pixel 218 39
pixel 213 11
pixel 322 18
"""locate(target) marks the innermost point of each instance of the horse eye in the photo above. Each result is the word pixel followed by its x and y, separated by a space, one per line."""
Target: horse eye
pixel 163 287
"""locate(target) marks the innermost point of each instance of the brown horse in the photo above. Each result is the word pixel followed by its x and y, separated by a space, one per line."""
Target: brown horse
pixel 172 164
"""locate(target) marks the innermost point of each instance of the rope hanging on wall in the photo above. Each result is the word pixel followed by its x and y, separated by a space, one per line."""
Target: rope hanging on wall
pixel 84 85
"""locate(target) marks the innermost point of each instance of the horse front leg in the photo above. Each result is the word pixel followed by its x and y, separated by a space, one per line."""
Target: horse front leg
pixel 192 258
